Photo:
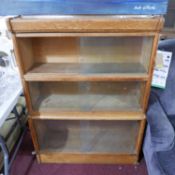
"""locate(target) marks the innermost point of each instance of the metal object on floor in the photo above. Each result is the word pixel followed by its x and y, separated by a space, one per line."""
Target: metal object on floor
pixel 7 161
pixel 6 155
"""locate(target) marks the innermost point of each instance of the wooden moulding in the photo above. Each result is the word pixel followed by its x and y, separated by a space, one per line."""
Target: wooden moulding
pixel 91 116
pixel 86 24
pixel 53 157
pixel 44 34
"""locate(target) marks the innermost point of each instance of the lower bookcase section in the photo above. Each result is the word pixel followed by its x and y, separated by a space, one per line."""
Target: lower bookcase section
pixel 68 141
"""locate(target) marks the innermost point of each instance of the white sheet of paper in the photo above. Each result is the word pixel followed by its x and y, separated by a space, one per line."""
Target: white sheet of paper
pixel 160 73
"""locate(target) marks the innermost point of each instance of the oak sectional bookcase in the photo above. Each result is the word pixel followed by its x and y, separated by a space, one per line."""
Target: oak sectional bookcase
pixel 87 82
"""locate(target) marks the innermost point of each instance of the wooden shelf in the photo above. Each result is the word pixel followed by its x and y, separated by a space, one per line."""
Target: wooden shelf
pixel 86 72
pixel 91 116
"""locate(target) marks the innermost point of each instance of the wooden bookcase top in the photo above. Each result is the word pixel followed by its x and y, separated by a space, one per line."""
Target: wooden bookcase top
pixel 83 24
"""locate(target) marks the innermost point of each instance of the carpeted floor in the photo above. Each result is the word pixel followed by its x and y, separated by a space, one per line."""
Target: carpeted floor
pixel 26 164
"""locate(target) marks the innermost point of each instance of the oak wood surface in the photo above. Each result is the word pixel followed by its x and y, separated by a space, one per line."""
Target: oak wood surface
pixel 47 157
pixel 62 34
pixel 87 72
pixel 70 77
pixel 90 116
pixel 86 24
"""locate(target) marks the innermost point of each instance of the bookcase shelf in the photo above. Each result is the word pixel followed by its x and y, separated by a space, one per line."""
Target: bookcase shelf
pixel 135 115
pixel 86 71
pixel 87 82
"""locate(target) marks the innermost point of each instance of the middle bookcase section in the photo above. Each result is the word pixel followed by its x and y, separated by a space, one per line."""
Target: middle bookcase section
pixel 86 96
pixel 75 57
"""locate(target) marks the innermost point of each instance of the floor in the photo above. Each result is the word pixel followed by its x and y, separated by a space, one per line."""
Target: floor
pixel 26 164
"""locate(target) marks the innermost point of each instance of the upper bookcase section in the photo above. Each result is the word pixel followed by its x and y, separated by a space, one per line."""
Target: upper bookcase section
pixel 79 7
pixel 85 24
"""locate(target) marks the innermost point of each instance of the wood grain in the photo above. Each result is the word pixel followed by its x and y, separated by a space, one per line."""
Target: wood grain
pixel 46 35
pixel 70 77
pixel 87 72
pixel 86 24
pixel 49 157
pixel 90 116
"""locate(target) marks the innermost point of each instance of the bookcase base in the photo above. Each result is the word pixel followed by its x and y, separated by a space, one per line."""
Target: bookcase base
pixel 87 158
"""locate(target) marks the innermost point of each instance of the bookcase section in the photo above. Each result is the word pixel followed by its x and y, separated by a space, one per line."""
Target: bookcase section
pixel 87 137
pixel 85 55
pixel 86 96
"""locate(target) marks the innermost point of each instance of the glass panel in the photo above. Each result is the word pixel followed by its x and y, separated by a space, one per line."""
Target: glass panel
pixel 87 136
pixel 86 55
pixel 85 96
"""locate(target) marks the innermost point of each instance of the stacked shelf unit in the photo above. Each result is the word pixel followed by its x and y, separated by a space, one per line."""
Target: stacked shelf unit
pixel 87 83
